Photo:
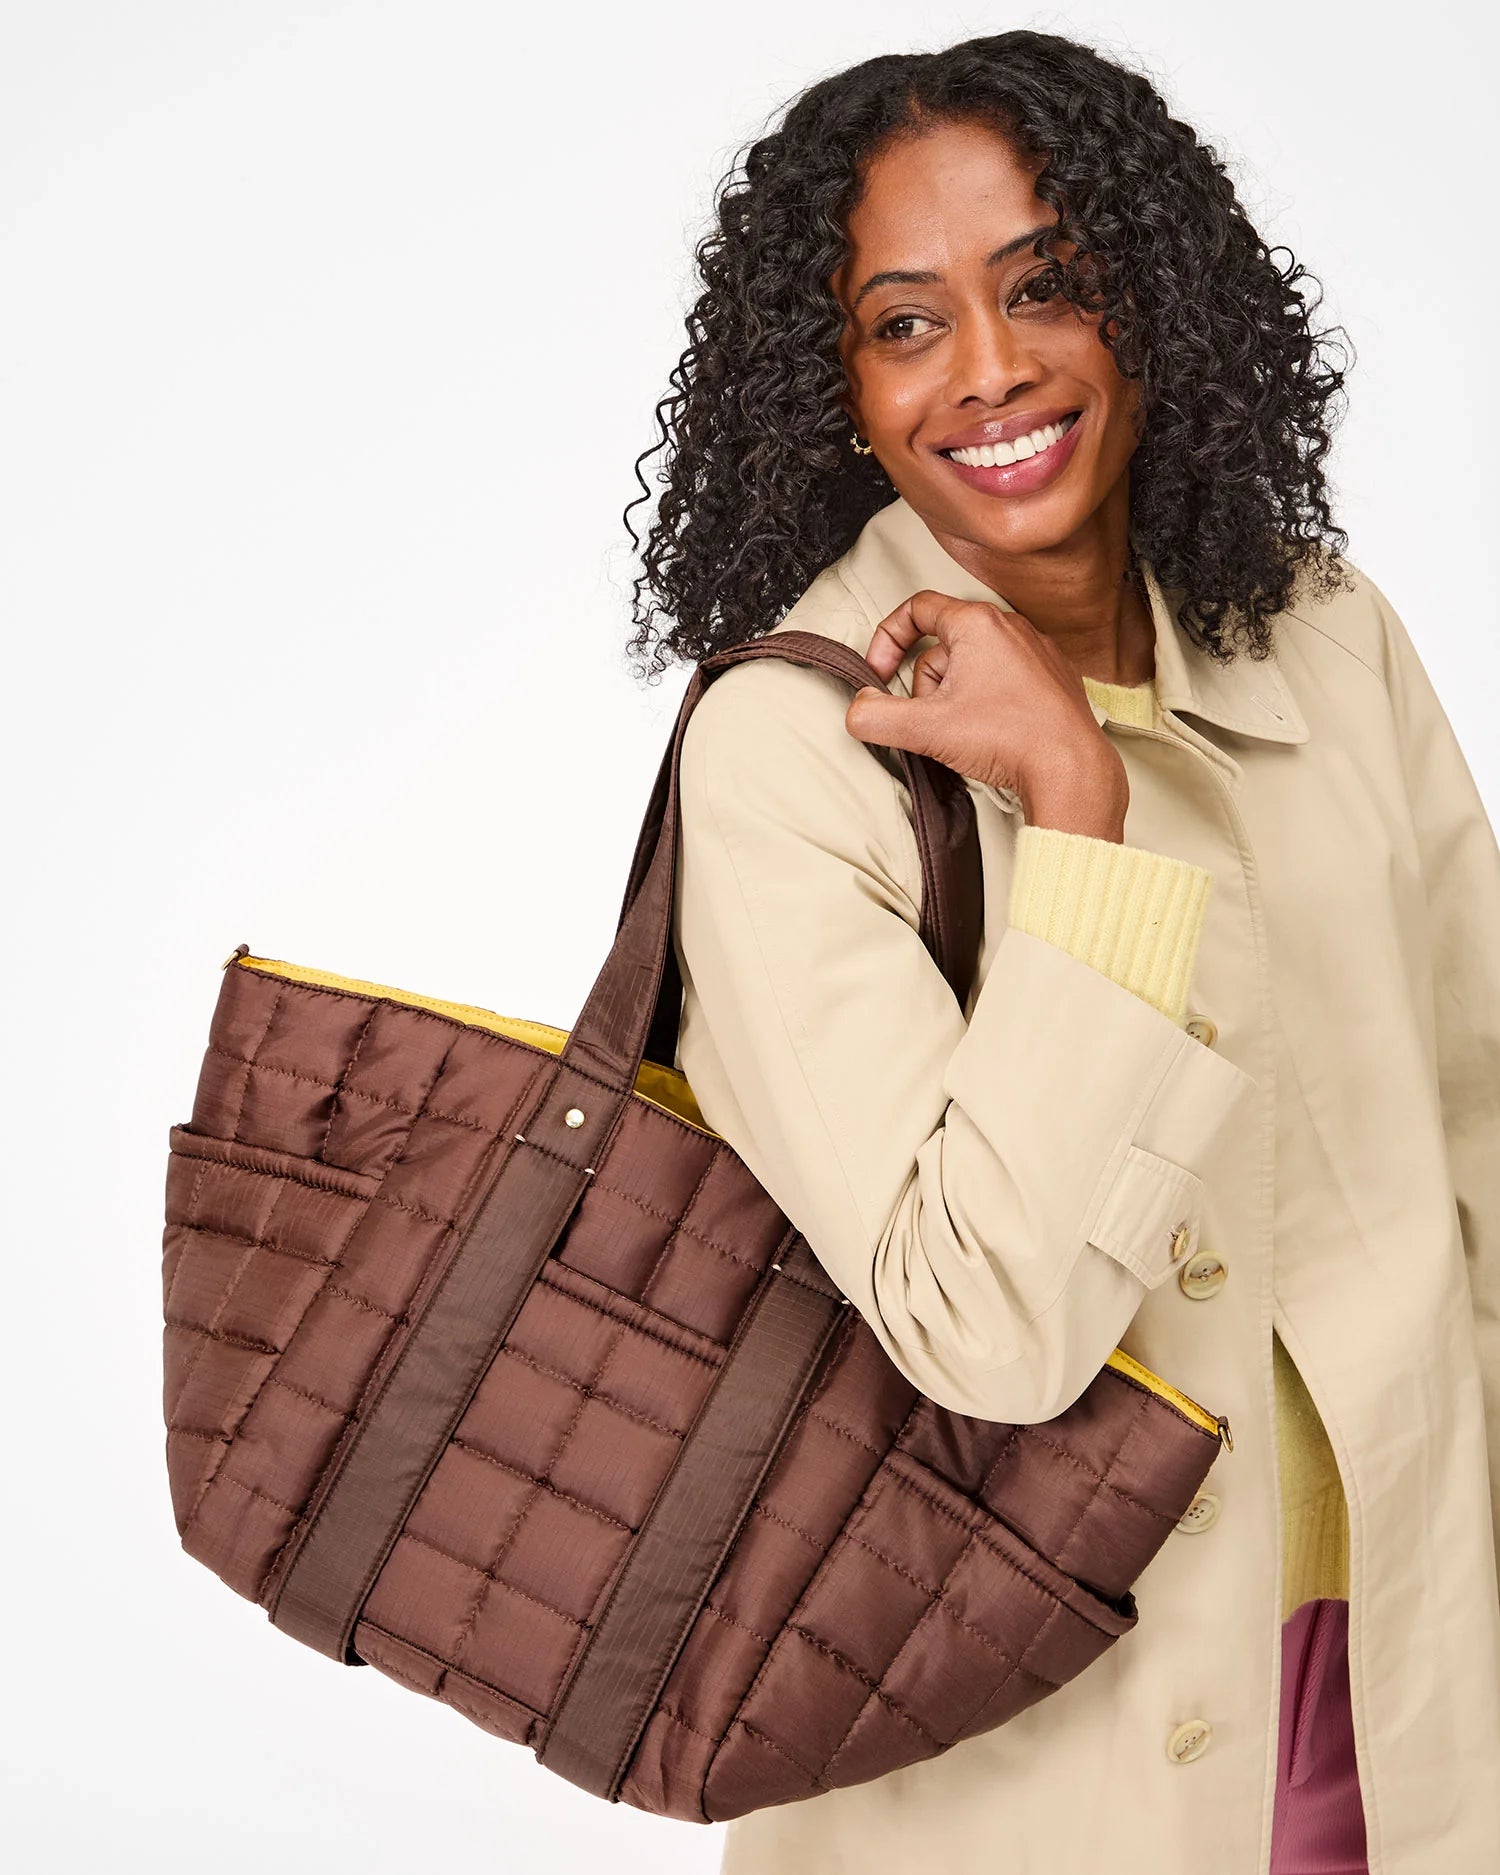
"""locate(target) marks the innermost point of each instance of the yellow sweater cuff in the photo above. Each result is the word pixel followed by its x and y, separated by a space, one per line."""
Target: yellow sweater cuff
pixel 1134 914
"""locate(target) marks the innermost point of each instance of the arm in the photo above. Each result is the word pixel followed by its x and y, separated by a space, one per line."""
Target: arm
pixel 995 1198
pixel 1461 872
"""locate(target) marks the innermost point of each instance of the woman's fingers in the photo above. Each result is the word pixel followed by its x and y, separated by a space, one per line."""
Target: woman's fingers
pixel 928 669
pixel 991 697
pixel 924 614
pixel 877 714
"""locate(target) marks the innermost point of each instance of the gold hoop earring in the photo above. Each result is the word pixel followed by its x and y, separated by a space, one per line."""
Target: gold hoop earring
pixel 860 449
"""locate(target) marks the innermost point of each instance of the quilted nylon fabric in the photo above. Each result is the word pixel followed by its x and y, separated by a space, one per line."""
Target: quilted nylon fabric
pixel 905 1578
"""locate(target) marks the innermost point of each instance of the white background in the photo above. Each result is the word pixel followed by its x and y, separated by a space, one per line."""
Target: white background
pixel 329 337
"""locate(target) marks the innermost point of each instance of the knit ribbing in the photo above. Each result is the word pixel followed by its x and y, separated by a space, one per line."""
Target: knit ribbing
pixel 1133 914
pixel 1315 1513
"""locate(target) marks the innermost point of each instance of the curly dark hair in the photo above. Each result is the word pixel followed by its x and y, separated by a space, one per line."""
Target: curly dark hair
pixel 761 492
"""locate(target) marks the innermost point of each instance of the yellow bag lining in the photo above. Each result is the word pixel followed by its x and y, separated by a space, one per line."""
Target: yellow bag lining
pixel 658 1085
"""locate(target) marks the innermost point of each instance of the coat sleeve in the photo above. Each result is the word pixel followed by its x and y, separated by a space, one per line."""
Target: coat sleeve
pixel 995 1196
pixel 1461 873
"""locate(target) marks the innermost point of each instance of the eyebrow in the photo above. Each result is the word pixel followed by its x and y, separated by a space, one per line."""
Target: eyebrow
pixel 899 276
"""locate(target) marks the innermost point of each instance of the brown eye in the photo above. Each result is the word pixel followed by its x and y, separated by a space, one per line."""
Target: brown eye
pixel 887 328
pixel 1042 286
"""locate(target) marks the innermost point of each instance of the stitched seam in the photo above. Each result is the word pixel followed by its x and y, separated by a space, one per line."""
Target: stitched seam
pixel 489 1580
pixel 1131 1430
pixel 508 1540
pixel 617 1304
pixel 938 1597
pixel 239 1112
pixel 590 1388
pixel 347 1070
pixel 209 1334
pixel 530 1477
pixel 938 1600
pixel 935 1599
pixel 212 1332
pixel 672 1234
pixel 841 1536
pixel 350 1431
pixel 190 1211
pixel 254 1243
pixel 502 1698
pixel 209 1149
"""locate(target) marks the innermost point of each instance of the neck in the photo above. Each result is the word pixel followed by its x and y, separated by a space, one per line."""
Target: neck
pixel 1086 594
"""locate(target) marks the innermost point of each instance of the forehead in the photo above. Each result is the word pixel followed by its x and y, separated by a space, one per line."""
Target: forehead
pixel 935 199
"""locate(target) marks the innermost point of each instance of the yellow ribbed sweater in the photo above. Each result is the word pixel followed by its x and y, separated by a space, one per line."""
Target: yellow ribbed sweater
pixel 1138 916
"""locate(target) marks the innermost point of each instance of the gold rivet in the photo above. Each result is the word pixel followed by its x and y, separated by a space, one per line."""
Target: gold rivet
pixel 573 1117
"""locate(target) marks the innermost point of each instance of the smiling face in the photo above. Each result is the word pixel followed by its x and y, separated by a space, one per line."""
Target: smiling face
pixel 954 337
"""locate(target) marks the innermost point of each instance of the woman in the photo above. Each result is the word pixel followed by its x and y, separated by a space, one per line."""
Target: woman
pixel 992 380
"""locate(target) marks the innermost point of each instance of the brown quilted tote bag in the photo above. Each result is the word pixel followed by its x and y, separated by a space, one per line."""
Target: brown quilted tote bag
pixel 489 1364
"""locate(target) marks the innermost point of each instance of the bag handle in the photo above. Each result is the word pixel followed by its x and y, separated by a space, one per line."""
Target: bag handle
pixel 635 1008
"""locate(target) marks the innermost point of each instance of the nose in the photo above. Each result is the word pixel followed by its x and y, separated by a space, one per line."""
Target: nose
pixel 991 358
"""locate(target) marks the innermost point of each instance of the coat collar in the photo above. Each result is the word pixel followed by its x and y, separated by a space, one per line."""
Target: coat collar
pixel 897 554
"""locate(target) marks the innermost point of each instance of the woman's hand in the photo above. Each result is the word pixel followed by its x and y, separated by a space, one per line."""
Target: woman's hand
pixel 997 701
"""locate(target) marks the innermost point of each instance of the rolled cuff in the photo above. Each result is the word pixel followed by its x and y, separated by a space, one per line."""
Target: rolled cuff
pixel 1133 914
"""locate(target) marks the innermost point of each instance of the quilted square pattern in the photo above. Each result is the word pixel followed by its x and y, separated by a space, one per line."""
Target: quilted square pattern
pixel 896 1579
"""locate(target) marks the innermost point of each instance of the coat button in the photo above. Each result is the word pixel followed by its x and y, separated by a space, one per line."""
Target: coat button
pixel 1182 1239
pixel 1201 1514
pixel 1202 1275
pixel 1189 1741
pixel 1202 1030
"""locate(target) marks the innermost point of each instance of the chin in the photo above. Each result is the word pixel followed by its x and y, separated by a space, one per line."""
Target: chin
pixel 1013 526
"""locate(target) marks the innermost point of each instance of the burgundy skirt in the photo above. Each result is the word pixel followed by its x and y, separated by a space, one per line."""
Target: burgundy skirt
pixel 1319 1821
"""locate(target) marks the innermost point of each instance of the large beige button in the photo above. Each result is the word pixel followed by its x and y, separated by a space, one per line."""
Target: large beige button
pixel 1201 1514
pixel 1202 1275
pixel 1202 1030
pixel 1189 1741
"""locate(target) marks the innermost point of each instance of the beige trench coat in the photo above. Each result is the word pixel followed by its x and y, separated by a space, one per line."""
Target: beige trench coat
pixel 994 1189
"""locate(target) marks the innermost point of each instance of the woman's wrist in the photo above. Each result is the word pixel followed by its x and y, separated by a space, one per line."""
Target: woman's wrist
pixel 1079 799
pixel 1078 815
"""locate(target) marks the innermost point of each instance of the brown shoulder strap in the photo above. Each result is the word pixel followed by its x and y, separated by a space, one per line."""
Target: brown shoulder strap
pixel 942 818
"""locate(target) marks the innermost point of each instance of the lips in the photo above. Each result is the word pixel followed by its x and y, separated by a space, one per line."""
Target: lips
pixel 1005 429
pixel 1024 475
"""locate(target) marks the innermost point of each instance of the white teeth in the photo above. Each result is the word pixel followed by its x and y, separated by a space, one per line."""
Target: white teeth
pixel 994 455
